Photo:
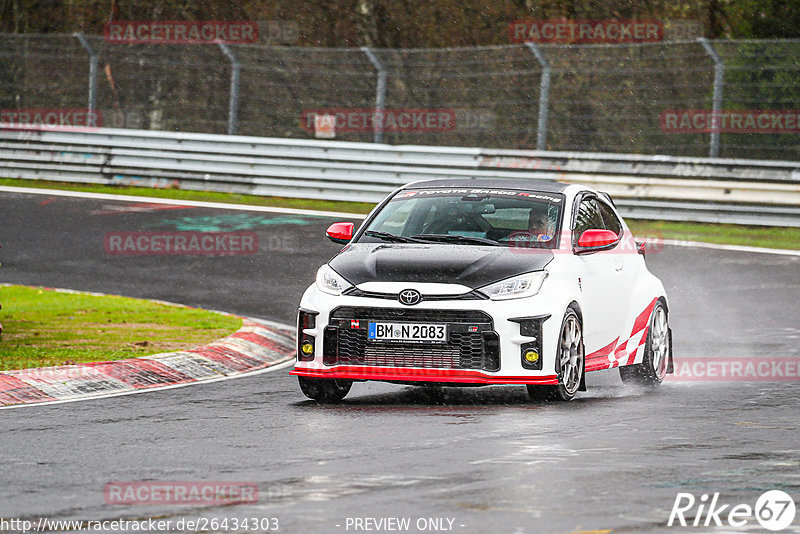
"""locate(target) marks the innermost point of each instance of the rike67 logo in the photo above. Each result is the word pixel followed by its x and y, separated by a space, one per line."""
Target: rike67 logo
pixel 774 510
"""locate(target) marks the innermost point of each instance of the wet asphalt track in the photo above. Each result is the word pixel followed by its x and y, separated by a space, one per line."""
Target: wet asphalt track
pixel 488 458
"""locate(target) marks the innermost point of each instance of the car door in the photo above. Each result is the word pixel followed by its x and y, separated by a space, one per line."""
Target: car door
pixel 605 297
pixel 626 261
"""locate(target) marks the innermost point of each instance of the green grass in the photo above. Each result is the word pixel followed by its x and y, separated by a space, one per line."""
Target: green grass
pixel 42 327
pixel 724 234
pixel 728 234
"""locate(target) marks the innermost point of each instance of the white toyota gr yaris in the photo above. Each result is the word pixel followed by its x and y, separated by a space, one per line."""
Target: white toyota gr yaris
pixel 476 282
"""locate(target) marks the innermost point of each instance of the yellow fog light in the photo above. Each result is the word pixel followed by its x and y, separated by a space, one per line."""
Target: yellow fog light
pixel 307 348
pixel 531 356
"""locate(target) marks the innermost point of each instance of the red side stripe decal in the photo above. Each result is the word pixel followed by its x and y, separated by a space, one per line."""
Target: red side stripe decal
pixel 598 359
pixel 642 323
pixel 604 352
pixel 644 318
pixel 619 353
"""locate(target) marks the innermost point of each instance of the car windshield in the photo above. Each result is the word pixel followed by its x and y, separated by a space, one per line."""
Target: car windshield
pixel 493 217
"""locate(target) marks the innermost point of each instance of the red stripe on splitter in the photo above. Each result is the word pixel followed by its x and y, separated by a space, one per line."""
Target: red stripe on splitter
pixel 354 372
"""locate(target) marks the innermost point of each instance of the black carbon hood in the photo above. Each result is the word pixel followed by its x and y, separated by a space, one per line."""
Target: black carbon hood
pixel 468 265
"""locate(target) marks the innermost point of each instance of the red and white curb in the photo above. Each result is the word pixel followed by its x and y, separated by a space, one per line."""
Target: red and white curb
pixel 258 346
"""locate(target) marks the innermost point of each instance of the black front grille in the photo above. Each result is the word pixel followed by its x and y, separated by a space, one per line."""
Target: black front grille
pixel 472 343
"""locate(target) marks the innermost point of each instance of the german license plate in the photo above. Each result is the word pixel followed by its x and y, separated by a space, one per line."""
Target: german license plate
pixel 413 332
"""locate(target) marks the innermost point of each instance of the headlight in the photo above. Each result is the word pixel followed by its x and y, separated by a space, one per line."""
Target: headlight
pixel 524 285
pixel 330 281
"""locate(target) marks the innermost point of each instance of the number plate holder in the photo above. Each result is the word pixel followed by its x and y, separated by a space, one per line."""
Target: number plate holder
pixel 387 331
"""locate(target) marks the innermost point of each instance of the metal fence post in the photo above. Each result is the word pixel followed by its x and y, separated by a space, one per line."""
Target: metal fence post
pixel 92 70
pixel 544 96
pixel 380 94
pixel 233 107
pixel 719 73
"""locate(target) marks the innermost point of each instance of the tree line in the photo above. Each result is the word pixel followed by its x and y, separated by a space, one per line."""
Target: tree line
pixel 406 23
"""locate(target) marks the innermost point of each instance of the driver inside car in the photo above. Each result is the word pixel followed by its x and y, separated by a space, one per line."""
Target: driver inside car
pixel 539 226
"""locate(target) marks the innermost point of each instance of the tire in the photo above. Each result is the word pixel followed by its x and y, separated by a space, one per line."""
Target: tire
pixel 571 356
pixel 653 369
pixel 324 389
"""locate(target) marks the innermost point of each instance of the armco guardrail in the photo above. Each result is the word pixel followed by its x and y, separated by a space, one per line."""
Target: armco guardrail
pixel 650 187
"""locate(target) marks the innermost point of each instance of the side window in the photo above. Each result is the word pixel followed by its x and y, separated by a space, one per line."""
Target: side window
pixel 609 218
pixel 588 216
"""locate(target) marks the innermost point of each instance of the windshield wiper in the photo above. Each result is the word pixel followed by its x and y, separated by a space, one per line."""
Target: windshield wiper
pixel 386 236
pixel 455 238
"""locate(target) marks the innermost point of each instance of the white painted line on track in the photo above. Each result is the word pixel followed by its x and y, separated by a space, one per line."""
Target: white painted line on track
pixel 318 213
pixel 735 248
pixel 178 202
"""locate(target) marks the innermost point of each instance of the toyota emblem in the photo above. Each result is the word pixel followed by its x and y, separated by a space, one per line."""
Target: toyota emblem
pixel 409 297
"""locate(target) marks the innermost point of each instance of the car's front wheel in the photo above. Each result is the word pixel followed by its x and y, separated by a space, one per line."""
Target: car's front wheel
pixel 653 368
pixel 570 356
pixel 324 389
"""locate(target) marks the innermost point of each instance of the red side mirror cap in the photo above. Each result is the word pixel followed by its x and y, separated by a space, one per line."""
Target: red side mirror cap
pixel 340 232
pixel 591 239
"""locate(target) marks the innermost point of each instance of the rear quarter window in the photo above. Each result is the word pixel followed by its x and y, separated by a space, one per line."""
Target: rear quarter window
pixel 610 219
pixel 588 217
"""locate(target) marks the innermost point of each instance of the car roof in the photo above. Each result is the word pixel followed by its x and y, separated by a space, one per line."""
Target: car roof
pixel 544 186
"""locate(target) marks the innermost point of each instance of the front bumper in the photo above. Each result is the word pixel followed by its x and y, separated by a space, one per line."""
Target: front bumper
pixel 396 374
pixel 490 341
